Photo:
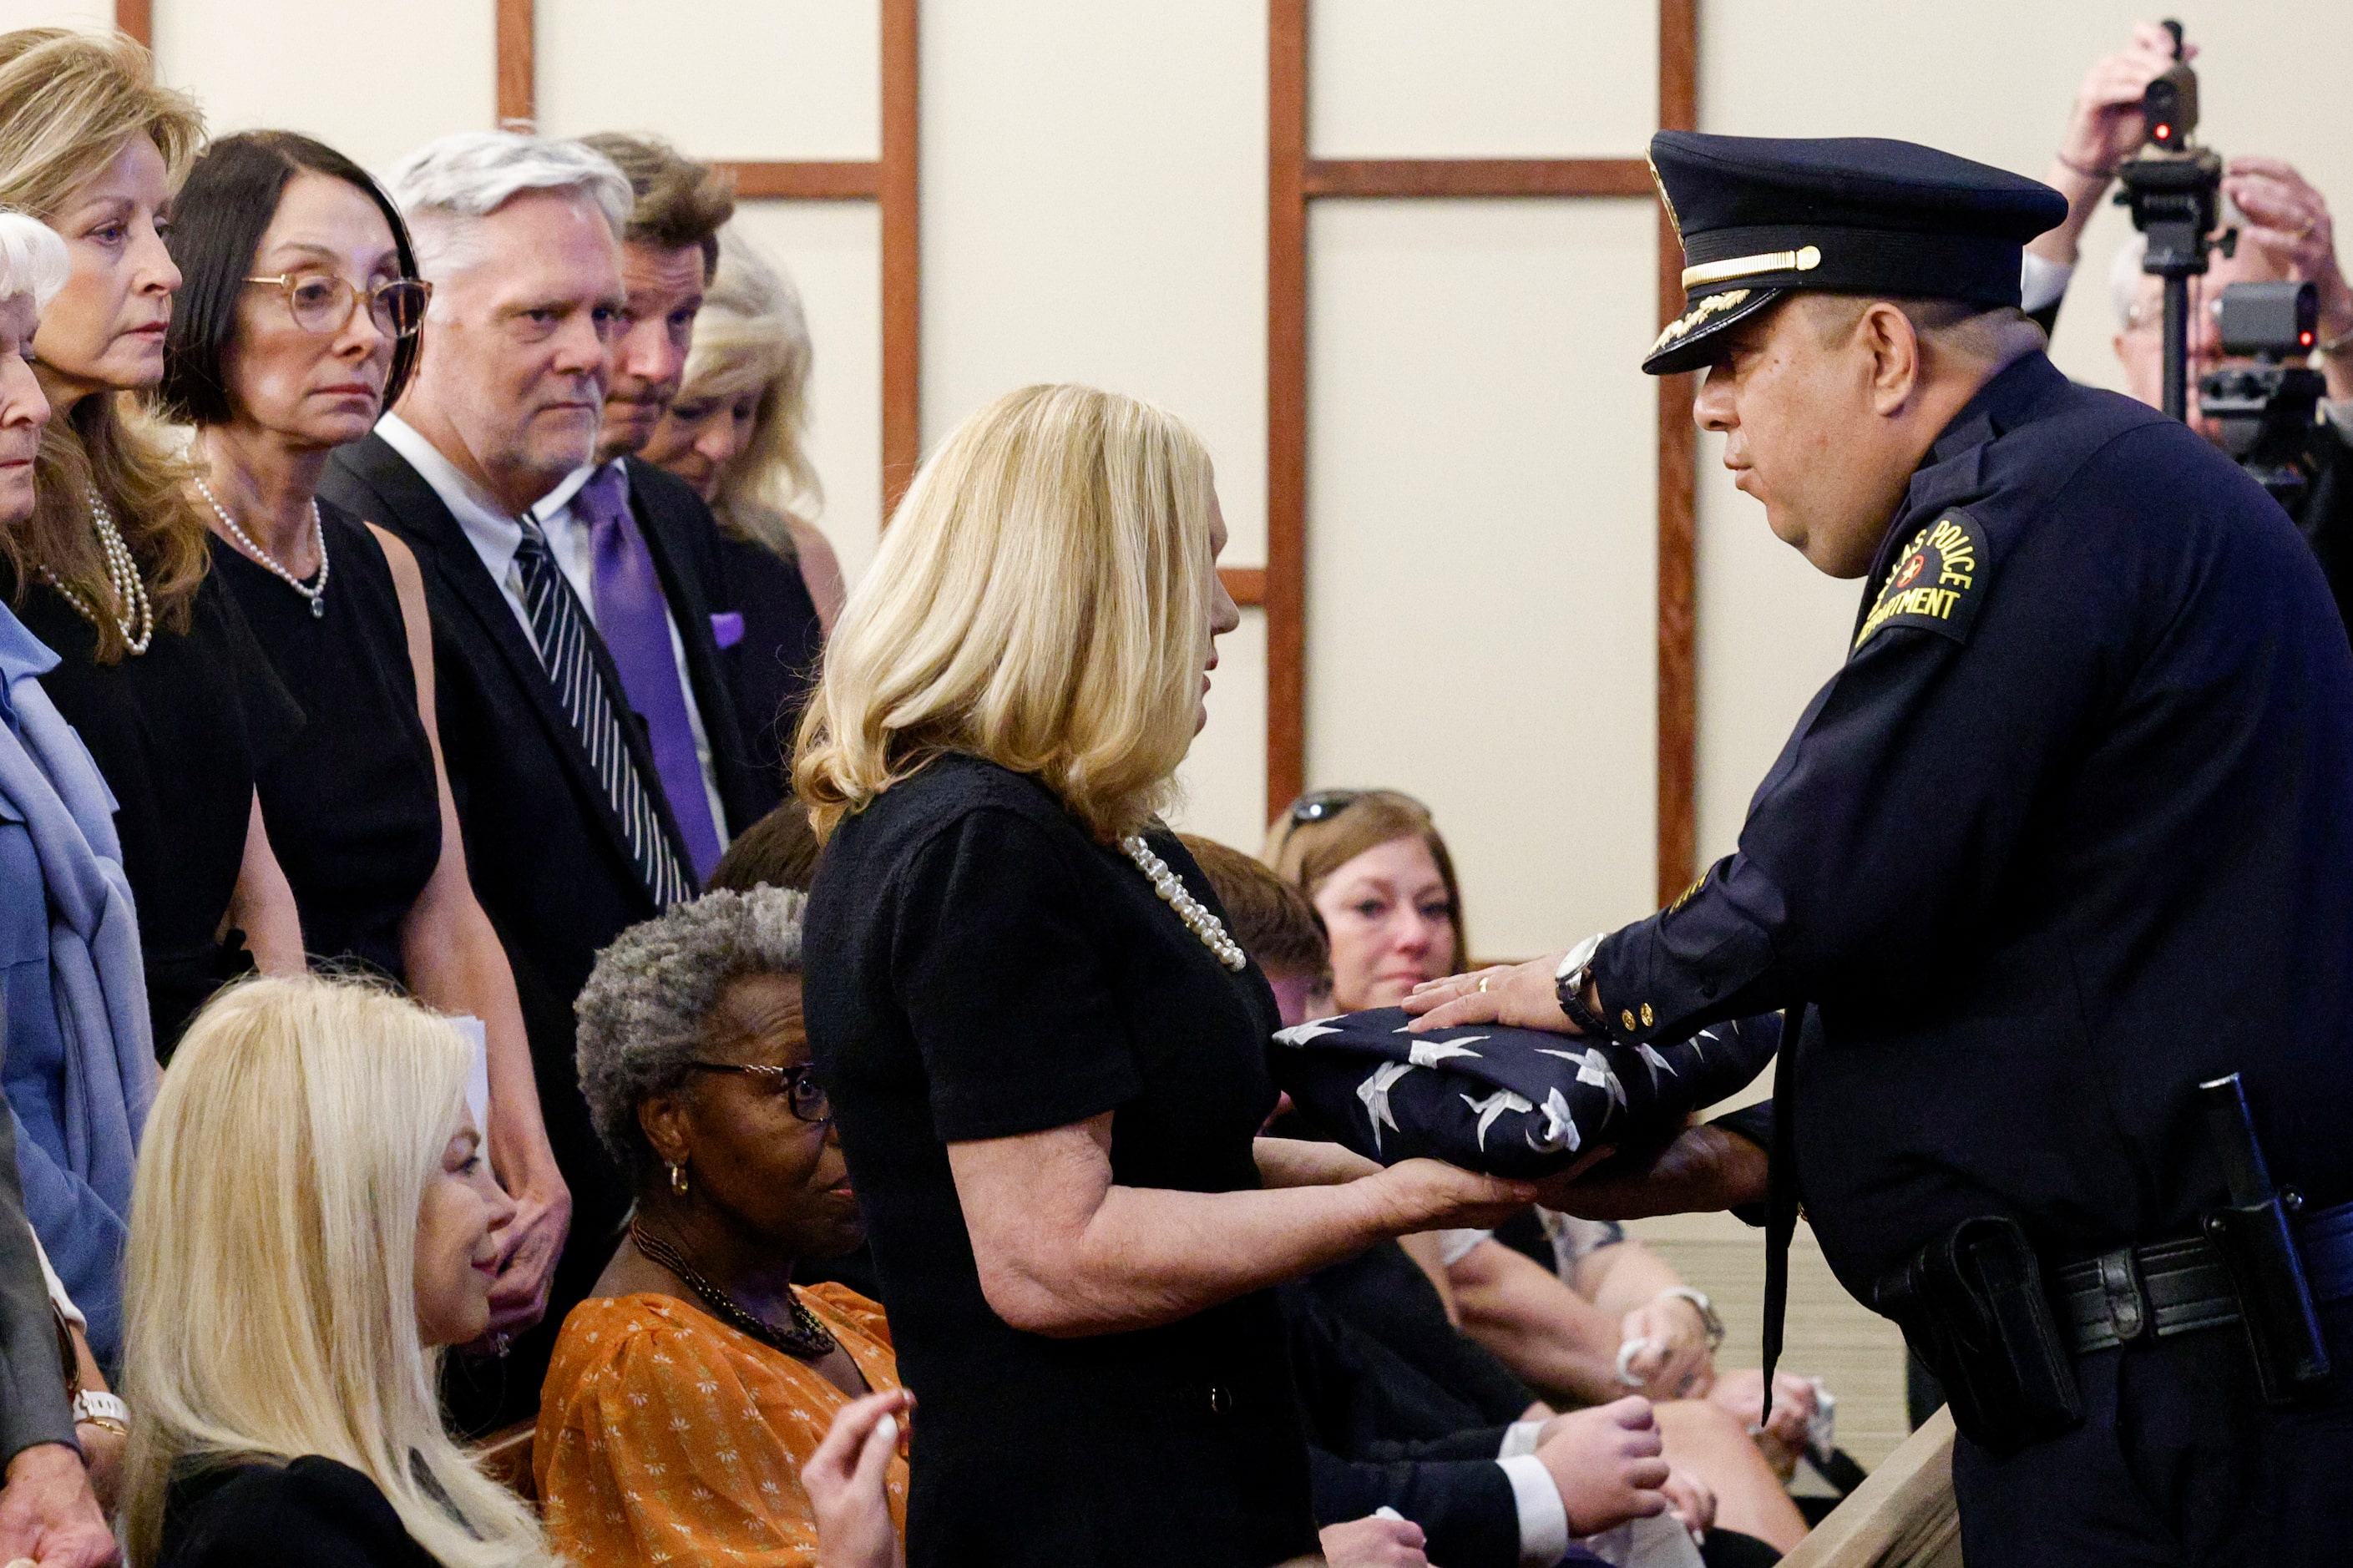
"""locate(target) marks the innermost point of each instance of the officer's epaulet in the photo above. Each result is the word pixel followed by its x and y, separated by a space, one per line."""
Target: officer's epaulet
pixel 1936 583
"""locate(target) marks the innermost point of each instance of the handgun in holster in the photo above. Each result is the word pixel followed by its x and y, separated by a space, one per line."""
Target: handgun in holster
pixel 2258 1250
pixel 1972 1306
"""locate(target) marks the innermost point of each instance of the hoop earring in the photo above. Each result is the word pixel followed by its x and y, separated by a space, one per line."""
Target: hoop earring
pixel 678 1180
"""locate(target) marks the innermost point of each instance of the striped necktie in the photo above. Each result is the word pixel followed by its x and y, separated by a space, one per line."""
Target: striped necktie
pixel 560 628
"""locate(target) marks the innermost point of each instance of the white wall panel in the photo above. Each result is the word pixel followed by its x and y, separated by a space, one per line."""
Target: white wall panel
pixel 1094 209
pixel 1481 543
pixel 14 14
pixel 1480 79
pixel 1224 779
pixel 370 83
pixel 833 251
pixel 723 78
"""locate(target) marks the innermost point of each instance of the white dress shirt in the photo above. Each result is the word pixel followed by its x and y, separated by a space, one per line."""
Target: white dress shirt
pixel 496 537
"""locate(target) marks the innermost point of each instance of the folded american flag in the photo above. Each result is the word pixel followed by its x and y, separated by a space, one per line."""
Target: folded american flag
pixel 1510 1102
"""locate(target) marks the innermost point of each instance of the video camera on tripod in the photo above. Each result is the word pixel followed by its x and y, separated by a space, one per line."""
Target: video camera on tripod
pixel 2264 414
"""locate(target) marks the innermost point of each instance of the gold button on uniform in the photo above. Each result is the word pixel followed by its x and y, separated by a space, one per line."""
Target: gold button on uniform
pixel 1647 1019
pixel 1627 1017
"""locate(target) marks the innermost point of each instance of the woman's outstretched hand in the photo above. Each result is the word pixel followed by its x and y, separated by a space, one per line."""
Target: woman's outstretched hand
pixel 844 1479
pixel 1430 1195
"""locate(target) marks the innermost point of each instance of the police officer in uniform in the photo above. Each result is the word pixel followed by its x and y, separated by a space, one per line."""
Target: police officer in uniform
pixel 2069 835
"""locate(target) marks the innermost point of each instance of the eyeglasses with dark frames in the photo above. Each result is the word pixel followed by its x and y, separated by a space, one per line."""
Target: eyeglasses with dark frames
pixel 1323 804
pixel 804 1097
pixel 322 301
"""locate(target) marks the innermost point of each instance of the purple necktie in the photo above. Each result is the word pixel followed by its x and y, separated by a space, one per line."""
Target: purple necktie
pixel 634 620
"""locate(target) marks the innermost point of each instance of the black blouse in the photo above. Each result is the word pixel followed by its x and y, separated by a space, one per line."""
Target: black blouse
pixel 978 967
pixel 311 1512
pixel 354 811
pixel 777 661
pixel 181 733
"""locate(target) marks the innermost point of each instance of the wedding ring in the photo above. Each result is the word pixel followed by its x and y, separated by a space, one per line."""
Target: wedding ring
pixel 1482 984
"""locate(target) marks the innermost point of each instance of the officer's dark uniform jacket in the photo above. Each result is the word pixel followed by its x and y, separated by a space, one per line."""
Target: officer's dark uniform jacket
pixel 2070 830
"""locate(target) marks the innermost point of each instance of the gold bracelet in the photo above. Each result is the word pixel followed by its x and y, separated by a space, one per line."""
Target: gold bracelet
pixel 105 1424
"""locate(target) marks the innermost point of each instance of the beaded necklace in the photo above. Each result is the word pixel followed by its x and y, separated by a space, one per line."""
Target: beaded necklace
pixel 137 627
pixel 1190 910
pixel 807 1338
pixel 314 591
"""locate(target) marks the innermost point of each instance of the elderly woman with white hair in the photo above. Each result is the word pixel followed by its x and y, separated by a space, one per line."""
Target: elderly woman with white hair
pixel 735 433
pixel 68 937
pixel 695 1063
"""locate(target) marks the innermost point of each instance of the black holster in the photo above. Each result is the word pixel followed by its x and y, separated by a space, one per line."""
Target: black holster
pixel 1972 1306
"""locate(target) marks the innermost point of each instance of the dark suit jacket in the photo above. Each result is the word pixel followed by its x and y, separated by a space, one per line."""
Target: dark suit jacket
pixel 33 1408
pixel 545 850
pixel 683 538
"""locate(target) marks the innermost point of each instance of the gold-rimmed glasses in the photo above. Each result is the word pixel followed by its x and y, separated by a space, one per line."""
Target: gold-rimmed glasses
pixel 322 301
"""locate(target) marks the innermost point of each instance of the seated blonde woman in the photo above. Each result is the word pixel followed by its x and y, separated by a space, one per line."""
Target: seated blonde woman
pixel 688 1392
pixel 312 1219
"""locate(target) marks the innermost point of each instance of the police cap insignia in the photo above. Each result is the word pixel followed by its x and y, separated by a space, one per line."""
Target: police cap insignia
pixel 1936 583
pixel 1760 215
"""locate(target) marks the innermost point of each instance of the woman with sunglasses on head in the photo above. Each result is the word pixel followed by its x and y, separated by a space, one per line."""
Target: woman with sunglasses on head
pixel 688 1392
pixel 1373 864
pixel 300 320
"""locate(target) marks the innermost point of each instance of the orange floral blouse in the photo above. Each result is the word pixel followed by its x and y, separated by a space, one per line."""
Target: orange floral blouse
pixel 665 1436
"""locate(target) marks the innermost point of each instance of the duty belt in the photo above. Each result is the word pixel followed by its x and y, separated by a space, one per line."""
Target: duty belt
pixel 2176 1287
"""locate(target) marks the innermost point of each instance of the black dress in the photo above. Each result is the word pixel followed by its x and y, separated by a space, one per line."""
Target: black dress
pixel 978 967
pixel 777 661
pixel 354 811
pixel 180 732
pixel 311 1512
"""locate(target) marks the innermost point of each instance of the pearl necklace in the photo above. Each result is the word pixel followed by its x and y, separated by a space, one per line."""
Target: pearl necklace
pixel 316 590
pixel 1190 910
pixel 121 575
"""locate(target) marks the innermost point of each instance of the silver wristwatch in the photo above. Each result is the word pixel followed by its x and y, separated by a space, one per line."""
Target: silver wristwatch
pixel 1569 987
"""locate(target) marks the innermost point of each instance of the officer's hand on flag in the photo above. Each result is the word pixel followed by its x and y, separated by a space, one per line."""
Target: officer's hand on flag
pixel 1520 994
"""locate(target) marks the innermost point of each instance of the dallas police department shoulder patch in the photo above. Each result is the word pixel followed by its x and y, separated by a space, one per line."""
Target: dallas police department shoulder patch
pixel 1936 583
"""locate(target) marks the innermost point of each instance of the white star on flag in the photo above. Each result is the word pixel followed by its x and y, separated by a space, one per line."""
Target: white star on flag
pixel 1300 1034
pixel 1657 1065
pixel 1593 1067
pixel 1491 1107
pixel 1560 1127
pixel 1430 1053
pixel 1374 1092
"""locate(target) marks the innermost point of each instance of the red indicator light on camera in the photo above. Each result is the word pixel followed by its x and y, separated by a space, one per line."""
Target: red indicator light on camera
pixel 2304 339
pixel 2165 132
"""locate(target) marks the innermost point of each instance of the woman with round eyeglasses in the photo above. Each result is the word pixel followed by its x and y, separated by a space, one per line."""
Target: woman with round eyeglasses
pixel 300 323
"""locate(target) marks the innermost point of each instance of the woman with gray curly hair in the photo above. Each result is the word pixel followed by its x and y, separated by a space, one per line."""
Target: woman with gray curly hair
pixel 687 1393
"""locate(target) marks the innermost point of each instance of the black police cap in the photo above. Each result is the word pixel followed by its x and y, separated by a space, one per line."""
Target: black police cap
pixel 1852 215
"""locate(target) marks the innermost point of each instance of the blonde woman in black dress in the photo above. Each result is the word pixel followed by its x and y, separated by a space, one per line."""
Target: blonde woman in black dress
pixel 1045 1053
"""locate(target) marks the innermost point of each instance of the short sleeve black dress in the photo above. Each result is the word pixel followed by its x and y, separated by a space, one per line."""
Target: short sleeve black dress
pixel 978 967
pixel 180 732
pixel 354 810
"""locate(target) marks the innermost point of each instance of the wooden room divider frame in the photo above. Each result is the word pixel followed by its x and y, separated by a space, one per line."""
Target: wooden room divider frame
pixel 1294 178
pixel 890 181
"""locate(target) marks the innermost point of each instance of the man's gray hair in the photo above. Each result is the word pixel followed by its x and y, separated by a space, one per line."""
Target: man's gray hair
pixel 33 259
pixel 646 1011
pixel 447 185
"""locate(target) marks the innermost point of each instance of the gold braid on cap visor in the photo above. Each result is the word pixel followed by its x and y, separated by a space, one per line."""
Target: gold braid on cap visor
pixel 1713 305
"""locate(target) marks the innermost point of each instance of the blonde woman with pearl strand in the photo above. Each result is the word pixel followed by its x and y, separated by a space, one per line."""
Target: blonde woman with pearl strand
pixel 157 670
